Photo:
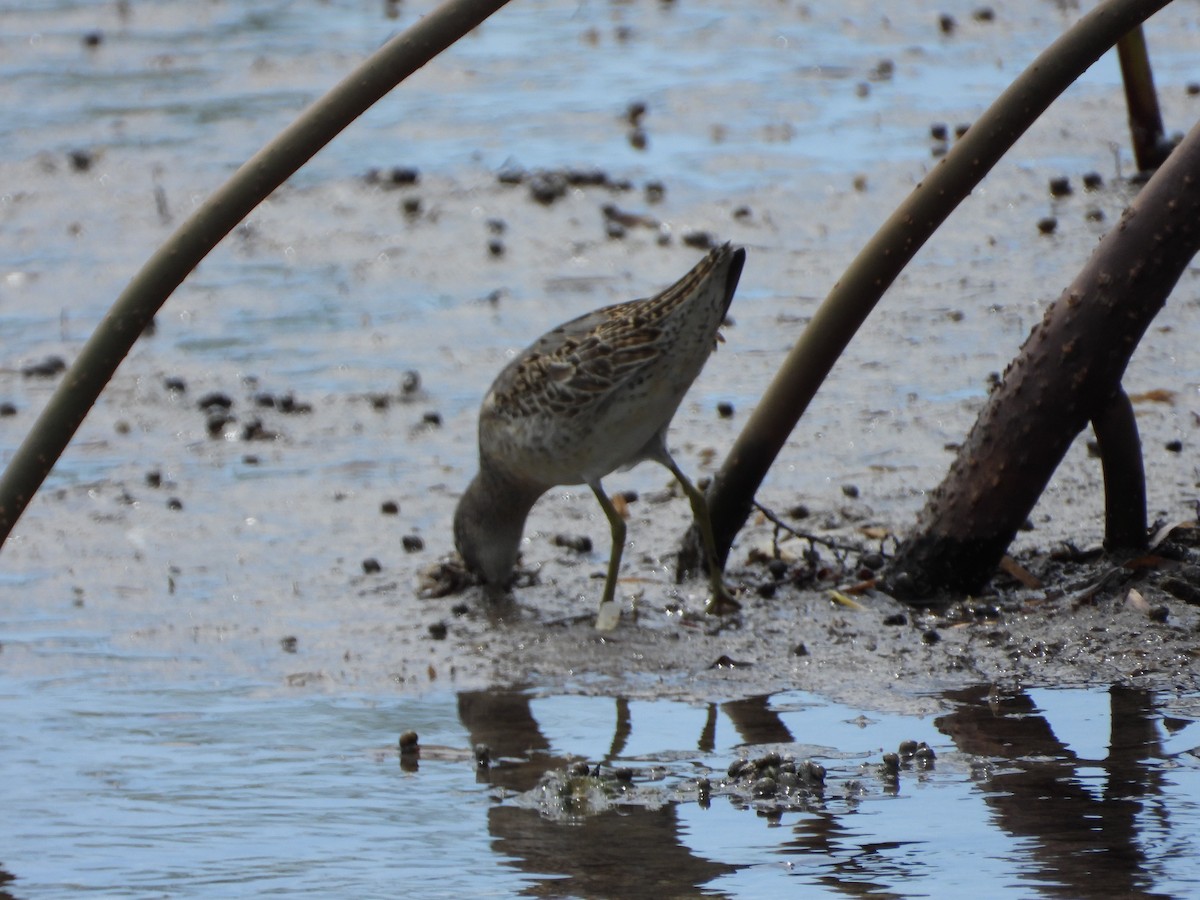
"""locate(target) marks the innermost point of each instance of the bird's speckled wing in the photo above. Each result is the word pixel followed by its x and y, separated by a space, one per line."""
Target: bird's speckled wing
pixel 580 364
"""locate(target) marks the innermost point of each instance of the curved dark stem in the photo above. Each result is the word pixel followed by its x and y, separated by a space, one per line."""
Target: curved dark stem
pixel 887 253
pixel 1150 145
pixel 228 205
pixel 1116 431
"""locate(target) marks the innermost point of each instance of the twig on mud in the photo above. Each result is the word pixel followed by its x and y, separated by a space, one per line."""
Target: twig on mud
pixel 812 539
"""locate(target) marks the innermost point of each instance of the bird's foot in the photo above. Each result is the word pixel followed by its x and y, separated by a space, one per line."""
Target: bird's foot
pixel 722 603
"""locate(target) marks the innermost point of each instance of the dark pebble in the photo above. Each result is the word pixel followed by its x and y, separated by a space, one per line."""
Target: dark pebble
pixel 215 400
pixel 371 566
pixel 930 637
pixel 290 405
pixel 81 160
pixel 764 787
pixel 613 230
pixel 379 401
pixel 288 644
pixel 154 478
pixel 496 226
pixel 412 543
pixel 578 543
pixel 739 768
pixel 432 418
pixel 946 23
pixel 1047 225
pixel 546 187
pixel 896 619
pixel 799 650
pixel 403 175
pixel 799 511
pixel 1060 187
pixel 924 754
pixel 411 207
pixel 872 561
pixel 891 763
pixel 984 14
pixel 1094 215
pixel 638 139
pixel 175 504
pixel 655 191
pixel 93 39
pixel 510 176
pixel 742 213
pixel 254 430
pixel 410 383
pixel 623 774
pixel 1193 88
pixel 725 409
pixel 389 508
pixel 460 609
pixel 1174 446
pixel 215 424
pixel 908 749
pixel 1092 181
pixel 175 383
pixel 850 490
pixel 939 132
pixel 438 631
pixel 1158 614
pixel 635 112
pixel 778 568
pixel 250 459
pixel 409 742
pixel 7 409
pixel 699 240
pixel 495 248
pixel 812 772
pixel 45 368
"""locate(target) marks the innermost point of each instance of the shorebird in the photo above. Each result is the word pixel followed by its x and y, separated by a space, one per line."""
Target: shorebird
pixel 591 396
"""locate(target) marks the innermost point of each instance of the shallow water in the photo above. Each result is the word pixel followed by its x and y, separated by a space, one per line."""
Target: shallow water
pixel 236 791
pixel 205 701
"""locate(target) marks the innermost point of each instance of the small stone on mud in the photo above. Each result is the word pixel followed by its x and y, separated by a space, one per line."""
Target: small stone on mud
pixel 438 631
pixel 1092 181
pixel 1060 187
pixel 984 14
pixel 1047 225
pixel 578 543
pixel 412 543
pixel 946 23
pixel 799 511
pixel 930 637
pixel 371 566
pixel 411 207
pixel 496 248
pixel 7 409
pixel 432 418
pixel 410 383
pixel 214 400
pixel 1175 446
pixel 699 240
pixel 154 478
pixel 288 643
pixel 175 384
pixel 895 619
pixel 389 508
pixel 799 650
pixel 174 504
pixel 45 368
pixel 850 490
pixel 725 409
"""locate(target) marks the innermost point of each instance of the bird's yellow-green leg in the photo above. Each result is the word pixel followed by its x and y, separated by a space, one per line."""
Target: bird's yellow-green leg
pixel 721 601
pixel 608 614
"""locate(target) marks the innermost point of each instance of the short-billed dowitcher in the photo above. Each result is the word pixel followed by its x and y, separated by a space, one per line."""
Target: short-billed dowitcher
pixel 594 395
